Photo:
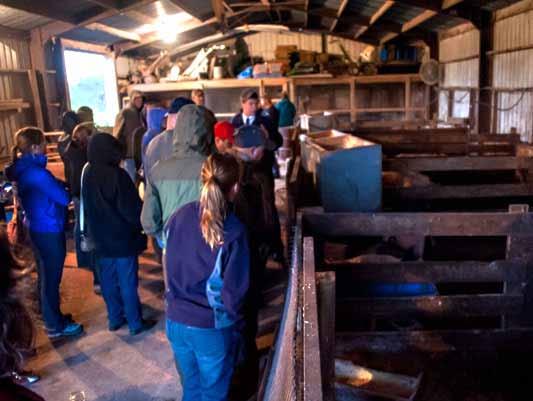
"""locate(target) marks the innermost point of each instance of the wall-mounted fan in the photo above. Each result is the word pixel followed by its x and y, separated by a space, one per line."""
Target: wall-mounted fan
pixel 430 72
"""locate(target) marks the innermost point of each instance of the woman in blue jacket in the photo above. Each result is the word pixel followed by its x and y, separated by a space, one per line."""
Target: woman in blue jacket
pixel 208 266
pixel 44 200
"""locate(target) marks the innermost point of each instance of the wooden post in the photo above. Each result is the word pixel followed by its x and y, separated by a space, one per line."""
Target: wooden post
pixel 353 114
pixel 37 105
pixel 407 99
pixel 326 323
pixel 486 38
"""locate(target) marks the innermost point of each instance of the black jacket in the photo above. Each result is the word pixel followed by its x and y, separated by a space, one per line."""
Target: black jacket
pixel 112 204
pixel 75 156
pixel 273 134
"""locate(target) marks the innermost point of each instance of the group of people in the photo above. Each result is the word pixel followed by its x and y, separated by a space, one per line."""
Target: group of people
pixel 209 205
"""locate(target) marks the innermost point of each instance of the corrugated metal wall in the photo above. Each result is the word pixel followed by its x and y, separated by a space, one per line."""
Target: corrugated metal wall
pixel 264 44
pixel 14 84
pixel 514 70
pixel 458 74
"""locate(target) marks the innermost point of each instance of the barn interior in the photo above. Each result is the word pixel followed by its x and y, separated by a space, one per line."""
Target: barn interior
pixel 404 193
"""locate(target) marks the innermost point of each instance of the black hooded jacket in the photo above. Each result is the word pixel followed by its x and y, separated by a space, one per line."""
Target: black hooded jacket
pixel 112 204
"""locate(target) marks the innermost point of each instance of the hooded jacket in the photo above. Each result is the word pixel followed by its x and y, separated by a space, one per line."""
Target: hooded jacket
pixel 154 120
pixel 112 204
pixel 176 181
pixel 44 198
pixel 75 156
pixel 128 120
pixel 206 287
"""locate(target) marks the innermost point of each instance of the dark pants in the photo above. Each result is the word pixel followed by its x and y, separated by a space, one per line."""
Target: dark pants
pixel 50 252
pixel 204 360
pixel 84 259
pixel 119 279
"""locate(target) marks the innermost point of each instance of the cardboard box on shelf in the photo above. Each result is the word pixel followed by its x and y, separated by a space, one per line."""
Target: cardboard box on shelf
pixel 284 51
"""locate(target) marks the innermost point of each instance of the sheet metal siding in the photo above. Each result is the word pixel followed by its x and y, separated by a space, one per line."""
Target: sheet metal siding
pixel 264 44
pixel 458 74
pixel 514 70
pixel 14 55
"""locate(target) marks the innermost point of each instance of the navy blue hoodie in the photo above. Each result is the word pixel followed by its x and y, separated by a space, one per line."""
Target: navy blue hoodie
pixel 206 288
pixel 44 198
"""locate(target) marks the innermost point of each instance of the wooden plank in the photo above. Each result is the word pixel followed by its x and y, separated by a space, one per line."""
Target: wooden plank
pixel 434 192
pixel 326 315
pixel 436 224
pixel 394 137
pixel 90 47
pixel 488 163
pixel 430 272
pixel 429 306
pixel 434 341
pixel 312 377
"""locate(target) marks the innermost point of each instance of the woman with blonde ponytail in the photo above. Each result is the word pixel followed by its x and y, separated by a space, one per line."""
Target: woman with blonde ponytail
pixel 208 267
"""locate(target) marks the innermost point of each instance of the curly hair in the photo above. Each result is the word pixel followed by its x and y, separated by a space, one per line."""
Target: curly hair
pixel 16 328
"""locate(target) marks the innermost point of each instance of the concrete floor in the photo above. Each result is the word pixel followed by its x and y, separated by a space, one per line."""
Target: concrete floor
pixel 115 366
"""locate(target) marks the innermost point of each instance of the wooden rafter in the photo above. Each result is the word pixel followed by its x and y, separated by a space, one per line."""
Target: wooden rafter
pixel 342 6
pixel 218 10
pixel 96 26
pixel 450 3
pixel 376 16
pixel 140 17
pixel 113 4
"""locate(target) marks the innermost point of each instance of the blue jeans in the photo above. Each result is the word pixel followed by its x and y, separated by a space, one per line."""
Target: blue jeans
pixel 50 251
pixel 131 169
pixel 119 279
pixel 204 358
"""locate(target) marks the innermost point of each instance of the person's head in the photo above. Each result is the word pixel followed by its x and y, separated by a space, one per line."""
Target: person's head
pixel 16 329
pixel 224 140
pixel 266 101
pixel 198 97
pixel 28 140
pixel 82 132
pixel 104 150
pixel 193 133
pixel 249 102
pixel 69 120
pixel 136 99
pixel 284 95
pixel 220 177
pixel 85 114
pixel 174 109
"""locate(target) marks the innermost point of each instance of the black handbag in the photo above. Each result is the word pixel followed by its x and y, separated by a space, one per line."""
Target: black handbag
pixel 86 242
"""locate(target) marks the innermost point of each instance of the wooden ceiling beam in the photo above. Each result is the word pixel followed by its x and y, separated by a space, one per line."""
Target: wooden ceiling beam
pixel 413 23
pixel 342 6
pixel 450 3
pixel 96 26
pixel 376 16
pixel 113 4
pixel 142 18
pixel 218 11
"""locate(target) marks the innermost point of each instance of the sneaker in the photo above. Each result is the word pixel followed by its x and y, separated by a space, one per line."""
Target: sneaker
pixel 116 326
pixel 24 378
pixel 72 329
pixel 145 326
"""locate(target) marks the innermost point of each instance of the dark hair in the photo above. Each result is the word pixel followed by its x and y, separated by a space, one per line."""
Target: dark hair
pixel 249 94
pixel 25 138
pixel 16 328
pixel 69 120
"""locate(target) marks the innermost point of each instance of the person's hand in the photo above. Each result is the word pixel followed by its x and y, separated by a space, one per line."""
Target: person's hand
pixel 257 153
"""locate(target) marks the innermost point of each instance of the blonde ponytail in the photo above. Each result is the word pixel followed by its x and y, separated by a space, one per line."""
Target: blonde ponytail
pixel 219 174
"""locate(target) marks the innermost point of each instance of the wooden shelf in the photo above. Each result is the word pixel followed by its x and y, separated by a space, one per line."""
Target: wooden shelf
pixel 13 71
pixel 8 105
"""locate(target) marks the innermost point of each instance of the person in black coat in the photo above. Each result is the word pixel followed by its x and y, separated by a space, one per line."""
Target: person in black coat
pixel 75 156
pixel 251 114
pixel 113 212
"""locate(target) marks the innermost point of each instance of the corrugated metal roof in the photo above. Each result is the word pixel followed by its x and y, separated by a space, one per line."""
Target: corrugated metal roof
pixel 401 13
pixel 122 21
pixel 364 7
pixel 17 19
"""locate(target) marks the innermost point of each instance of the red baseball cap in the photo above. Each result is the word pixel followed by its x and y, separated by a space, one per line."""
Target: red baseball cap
pixel 225 130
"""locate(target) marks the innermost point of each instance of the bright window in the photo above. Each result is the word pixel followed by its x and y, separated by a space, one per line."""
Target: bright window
pixel 92 82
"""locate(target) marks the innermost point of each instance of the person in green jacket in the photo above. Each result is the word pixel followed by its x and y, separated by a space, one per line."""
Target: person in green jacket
pixel 175 182
pixel 286 111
